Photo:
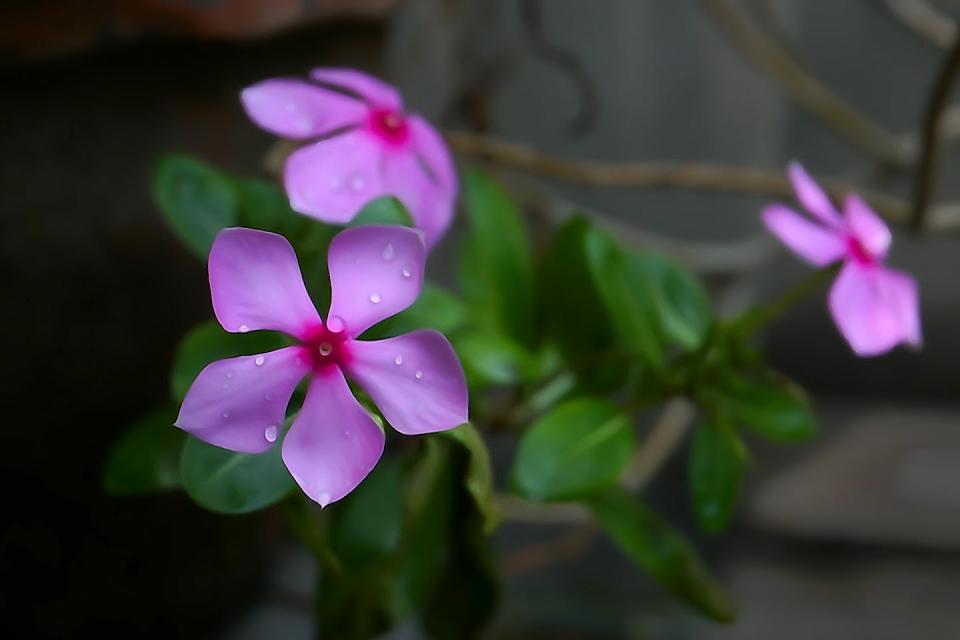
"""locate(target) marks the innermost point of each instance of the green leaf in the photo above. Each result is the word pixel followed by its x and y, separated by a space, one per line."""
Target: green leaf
pixel 385 210
pixel 368 522
pixel 231 482
pixel 680 303
pixel 662 552
pixel 715 472
pixel 621 289
pixel 196 201
pixel 263 205
pixel 777 410
pixel 491 359
pixel 146 458
pixel 577 449
pixel 208 342
pixel 501 272
pixel 434 309
pixel 478 478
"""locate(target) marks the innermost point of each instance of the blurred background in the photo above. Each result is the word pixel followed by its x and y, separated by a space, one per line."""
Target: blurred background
pixel 855 535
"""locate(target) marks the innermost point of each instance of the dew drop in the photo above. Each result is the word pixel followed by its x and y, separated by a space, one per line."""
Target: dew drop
pixel 388 252
pixel 243 328
pixel 398 360
pixel 375 298
pixel 357 183
pixel 259 361
pixel 325 348
pixel 268 397
pixel 418 375
pixel 225 414
pixel 335 324
pixel 346 432
pixel 270 433
pixel 407 271
pixel 229 374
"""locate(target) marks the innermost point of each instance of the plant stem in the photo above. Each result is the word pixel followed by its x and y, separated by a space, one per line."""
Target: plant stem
pixel 757 318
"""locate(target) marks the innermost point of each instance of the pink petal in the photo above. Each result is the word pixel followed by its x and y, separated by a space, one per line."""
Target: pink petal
pixel 376 271
pixel 255 284
pixel 332 179
pixel 875 308
pixel 812 197
pixel 240 403
pixel 425 180
pixel 867 227
pixel 334 443
pixel 815 244
pixel 415 379
pixel 296 109
pixel 375 91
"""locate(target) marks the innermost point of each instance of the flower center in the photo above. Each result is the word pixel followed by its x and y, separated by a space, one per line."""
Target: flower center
pixel 389 125
pixel 327 347
pixel 859 253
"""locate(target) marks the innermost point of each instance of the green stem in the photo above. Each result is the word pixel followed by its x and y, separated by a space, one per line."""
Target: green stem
pixel 757 318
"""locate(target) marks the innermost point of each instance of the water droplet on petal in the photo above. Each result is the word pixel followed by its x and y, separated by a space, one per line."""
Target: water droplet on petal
pixel 398 360
pixel 388 252
pixel 335 182
pixel 325 348
pixel 407 271
pixel 419 375
pixel 229 374
pixel 375 298
pixel 268 397
pixel 243 328
pixel 335 324
pixel 358 183
pixel 270 433
pixel 260 360
pixel 346 432
pixel 323 499
pixel 226 414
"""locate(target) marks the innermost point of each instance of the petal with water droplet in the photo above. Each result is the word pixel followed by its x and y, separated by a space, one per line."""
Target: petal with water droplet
pixel 434 400
pixel 233 417
pixel 296 109
pixel 333 444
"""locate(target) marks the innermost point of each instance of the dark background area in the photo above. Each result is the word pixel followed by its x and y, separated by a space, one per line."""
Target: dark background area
pixel 852 536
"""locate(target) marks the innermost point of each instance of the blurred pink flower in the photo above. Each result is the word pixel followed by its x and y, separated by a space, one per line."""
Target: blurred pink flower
pixel 874 307
pixel 415 379
pixel 364 145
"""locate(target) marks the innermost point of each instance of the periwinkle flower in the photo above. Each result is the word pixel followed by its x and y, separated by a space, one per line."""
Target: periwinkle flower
pixel 874 307
pixel 364 145
pixel 415 379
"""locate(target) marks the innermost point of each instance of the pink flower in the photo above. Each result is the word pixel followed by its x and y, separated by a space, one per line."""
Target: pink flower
pixel 415 379
pixel 874 307
pixel 365 146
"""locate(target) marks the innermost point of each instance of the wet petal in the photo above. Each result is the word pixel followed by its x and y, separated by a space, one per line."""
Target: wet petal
pixel 334 443
pixel 255 283
pixel 812 197
pixel 424 180
pixel 875 308
pixel 415 379
pixel 375 91
pixel 297 109
pixel 815 244
pixel 376 271
pixel 332 179
pixel 240 403
pixel 870 231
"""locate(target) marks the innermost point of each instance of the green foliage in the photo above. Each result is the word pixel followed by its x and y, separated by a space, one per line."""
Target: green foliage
pixel 491 359
pixel 385 210
pixel 146 457
pixel 262 204
pixel 478 477
pixel 660 551
pixel 681 307
pixel 208 342
pixel 369 521
pixel 774 409
pixel 574 451
pixel 230 482
pixel 500 260
pixel 196 200
pixel 715 471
